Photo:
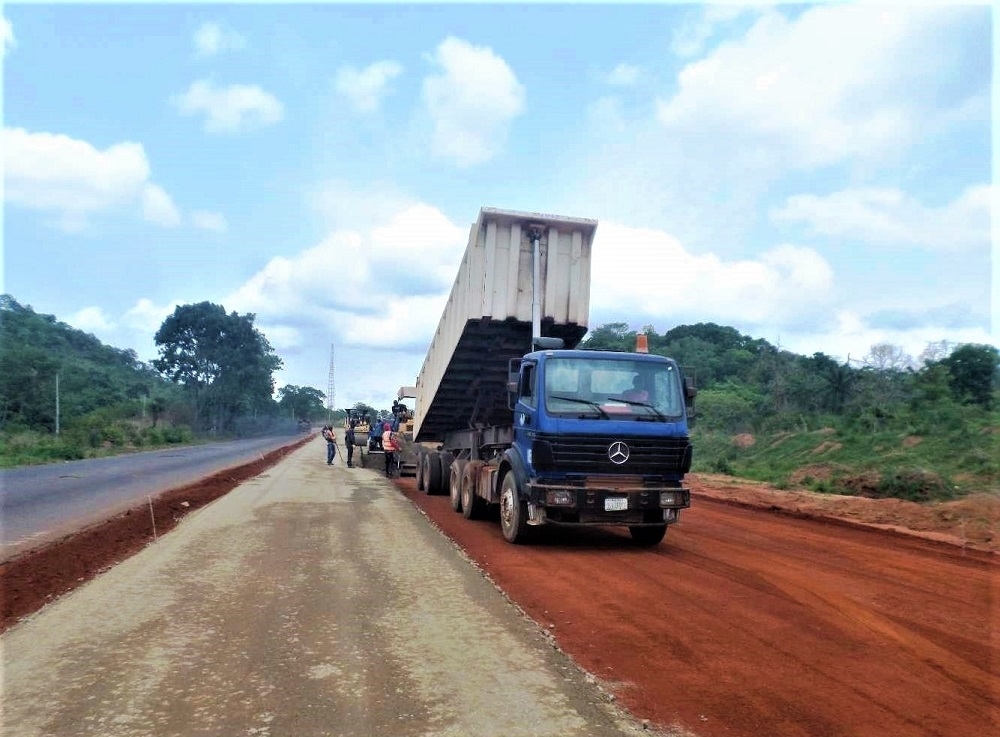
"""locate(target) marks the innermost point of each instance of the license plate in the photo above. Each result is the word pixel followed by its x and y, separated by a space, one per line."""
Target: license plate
pixel 616 504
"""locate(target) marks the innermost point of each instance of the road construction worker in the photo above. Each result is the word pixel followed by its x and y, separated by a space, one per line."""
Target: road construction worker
pixel 390 446
pixel 349 442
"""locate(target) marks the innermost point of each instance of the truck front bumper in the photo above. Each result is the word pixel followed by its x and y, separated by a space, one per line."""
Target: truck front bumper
pixel 605 505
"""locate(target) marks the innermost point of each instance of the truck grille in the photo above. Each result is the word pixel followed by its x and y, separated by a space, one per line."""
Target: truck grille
pixel 647 456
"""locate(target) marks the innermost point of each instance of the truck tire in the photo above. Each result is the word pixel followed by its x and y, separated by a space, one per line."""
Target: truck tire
pixel 513 511
pixel 446 460
pixel 473 506
pixel 421 476
pixel 432 473
pixel 455 484
pixel 647 536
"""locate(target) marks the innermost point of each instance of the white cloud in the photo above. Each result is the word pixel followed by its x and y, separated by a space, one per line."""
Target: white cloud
pixel 889 217
pixel 348 206
pixel 211 39
pixel 146 317
pixel 214 221
pixel 365 88
pixel 91 320
pixel 690 37
pixel 137 327
pixel 649 274
pixel 471 102
pixel 282 338
pixel 724 145
pixel 157 207
pixel 787 295
pixel 407 321
pixel 623 75
pixel 849 336
pixel 229 109
pixel 55 173
pixel 420 229
pixel 329 287
pixel 839 81
pixel 7 35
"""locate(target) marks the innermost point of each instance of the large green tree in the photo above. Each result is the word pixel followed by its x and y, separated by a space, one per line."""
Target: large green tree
pixel 612 336
pixel 225 362
pixel 302 402
pixel 974 371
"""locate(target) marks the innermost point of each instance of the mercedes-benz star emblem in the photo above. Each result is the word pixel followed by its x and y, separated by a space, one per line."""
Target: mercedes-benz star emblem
pixel 618 452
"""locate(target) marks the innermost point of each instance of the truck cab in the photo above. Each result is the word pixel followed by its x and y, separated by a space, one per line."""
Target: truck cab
pixel 599 438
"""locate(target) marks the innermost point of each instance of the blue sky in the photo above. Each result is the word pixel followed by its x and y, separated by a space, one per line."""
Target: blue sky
pixel 815 175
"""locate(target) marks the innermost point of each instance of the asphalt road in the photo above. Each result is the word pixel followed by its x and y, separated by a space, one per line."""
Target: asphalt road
pixel 309 601
pixel 39 503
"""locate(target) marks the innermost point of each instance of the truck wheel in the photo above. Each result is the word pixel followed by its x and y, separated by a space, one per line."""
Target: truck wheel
pixel 421 476
pixel 455 484
pixel 513 511
pixel 446 460
pixel 647 536
pixel 432 473
pixel 473 505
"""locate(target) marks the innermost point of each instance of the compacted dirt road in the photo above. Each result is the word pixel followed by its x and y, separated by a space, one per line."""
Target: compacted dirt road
pixel 315 601
pixel 748 623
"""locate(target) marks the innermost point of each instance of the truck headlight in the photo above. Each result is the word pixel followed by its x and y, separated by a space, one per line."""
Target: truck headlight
pixel 671 499
pixel 560 498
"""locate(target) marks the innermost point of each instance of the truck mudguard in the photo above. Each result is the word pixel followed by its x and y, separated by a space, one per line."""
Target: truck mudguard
pixel 518 468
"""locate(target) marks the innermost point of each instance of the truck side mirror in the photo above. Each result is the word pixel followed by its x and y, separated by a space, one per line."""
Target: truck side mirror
pixel 690 391
pixel 513 375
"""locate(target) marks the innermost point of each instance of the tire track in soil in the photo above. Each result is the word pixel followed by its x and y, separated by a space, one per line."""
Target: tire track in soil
pixel 746 622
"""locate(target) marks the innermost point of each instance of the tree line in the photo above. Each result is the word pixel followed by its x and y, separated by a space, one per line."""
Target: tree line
pixel 748 384
pixel 65 394
pixel 883 425
pixel 214 375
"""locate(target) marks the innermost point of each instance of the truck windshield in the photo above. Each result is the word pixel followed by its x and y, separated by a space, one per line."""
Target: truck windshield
pixel 602 387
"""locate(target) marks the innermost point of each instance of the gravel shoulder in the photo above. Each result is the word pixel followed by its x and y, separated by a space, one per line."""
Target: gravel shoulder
pixel 310 600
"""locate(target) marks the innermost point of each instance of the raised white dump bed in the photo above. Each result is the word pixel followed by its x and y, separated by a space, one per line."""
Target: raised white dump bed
pixel 488 317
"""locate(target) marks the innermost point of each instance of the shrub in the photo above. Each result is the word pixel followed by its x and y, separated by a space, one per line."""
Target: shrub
pixel 27 447
pixel 915 485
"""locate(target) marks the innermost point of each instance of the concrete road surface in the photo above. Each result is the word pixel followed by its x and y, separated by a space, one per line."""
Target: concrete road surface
pixel 312 600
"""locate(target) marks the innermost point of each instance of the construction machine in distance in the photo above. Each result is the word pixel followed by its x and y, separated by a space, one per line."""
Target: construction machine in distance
pixel 407 458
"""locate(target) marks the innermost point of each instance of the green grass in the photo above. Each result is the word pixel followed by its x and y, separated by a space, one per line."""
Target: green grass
pixel 923 461
pixel 27 448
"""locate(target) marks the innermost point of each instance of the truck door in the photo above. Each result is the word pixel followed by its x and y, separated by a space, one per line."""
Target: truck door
pixel 526 399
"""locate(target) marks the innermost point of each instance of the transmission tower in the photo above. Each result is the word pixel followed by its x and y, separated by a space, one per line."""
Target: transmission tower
pixel 331 390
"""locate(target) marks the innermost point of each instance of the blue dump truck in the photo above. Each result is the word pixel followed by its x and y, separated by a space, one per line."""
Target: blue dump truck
pixel 510 414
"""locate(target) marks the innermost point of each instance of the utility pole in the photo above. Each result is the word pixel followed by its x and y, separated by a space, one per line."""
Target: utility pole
pixel 331 391
pixel 57 403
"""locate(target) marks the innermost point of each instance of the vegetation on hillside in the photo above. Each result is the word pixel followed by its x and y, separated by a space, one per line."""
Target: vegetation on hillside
pixel 888 425
pixel 66 395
